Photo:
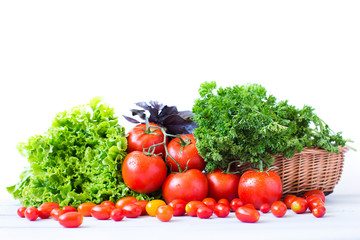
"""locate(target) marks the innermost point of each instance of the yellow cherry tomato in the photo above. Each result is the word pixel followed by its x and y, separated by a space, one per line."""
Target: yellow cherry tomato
pixel 153 205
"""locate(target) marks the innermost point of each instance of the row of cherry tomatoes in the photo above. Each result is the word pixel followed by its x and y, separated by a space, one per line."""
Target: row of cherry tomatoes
pixel 130 207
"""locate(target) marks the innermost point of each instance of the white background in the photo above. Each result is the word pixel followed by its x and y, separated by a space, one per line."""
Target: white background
pixel 59 54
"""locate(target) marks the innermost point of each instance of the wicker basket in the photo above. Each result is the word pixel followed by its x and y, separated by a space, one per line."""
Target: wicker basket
pixel 311 169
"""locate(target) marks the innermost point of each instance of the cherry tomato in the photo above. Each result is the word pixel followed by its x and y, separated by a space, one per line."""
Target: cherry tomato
pixel 108 203
pixel 265 208
pixel 288 199
pixel 317 192
pixel 153 205
pixel 210 202
pixel 45 211
pixel 299 205
pixel 131 210
pixel 101 212
pixel 191 185
pixel 124 201
pixel 117 215
pixel 221 210
pixel 319 211
pixel 185 153
pixel 71 219
pixel 258 188
pixel 204 212
pixel 142 173
pixel 31 213
pixel 178 207
pixel 278 209
pixel 192 207
pixel 236 203
pixel 164 213
pixel 52 204
pixel 21 212
pixel 247 215
pixel 224 201
pixel 313 197
pixel 67 209
pixel 56 213
pixel 142 204
pixel 249 205
pixel 313 204
pixel 141 137
pixel 85 209
pixel 223 185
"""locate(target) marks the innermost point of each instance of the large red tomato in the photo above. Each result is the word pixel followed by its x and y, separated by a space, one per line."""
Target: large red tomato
pixel 141 137
pixel 185 153
pixel 258 188
pixel 142 173
pixel 223 185
pixel 191 185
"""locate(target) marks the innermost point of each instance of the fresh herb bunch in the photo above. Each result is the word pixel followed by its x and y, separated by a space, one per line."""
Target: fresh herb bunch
pixel 77 160
pixel 245 123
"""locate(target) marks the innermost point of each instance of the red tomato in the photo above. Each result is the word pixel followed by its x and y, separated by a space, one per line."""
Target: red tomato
pixel 178 207
pixel 224 201
pixel 21 212
pixel 221 210
pixel 56 213
pixel 223 185
pixel 142 204
pixel 52 204
pixel 117 215
pixel 317 192
pixel 101 212
pixel 124 201
pixel 164 213
pixel 85 209
pixel 142 173
pixel 71 219
pixel 45 211
pixel 67 209
pixel 31 213
pixel 247 215
pixel 278 209
pixel 108 203
pixel 210 202
pixel 191 185
pixel 288 199
pixel 140 137
pixel 319 211
pixel 204 212
pixel 249 205
pixel 258 188
pixel 299 205
pixel 192 207
pixel 236 203
pixel 313 204
pixel 131 210
pixel 185 153
pixel 314 197
pixel 265 208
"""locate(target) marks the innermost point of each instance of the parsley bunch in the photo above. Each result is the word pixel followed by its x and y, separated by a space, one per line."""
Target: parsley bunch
pixel 245 123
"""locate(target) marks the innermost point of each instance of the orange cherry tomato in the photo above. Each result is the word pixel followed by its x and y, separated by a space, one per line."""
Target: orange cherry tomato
pixel 85 209
pixel 192 207
pixel 164 213
pixel 71 219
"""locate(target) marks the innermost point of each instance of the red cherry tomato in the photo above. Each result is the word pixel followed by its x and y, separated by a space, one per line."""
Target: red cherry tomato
pixel 164 213
pixel 204 212
pixel 185 153
pixel 317 192
pixel 236 203
pixel 192 207
pixel 67 209
pixel 247 215
pixel 299 205
pixel 314 197
pixel 131 210
pixel 141 137
pixel 288 199
pixel 142 204
pixel 108 203
pixel 178 207
pixel 56 213
pixel 278 209
pixel 224 201
pixel 101 212
pixel 124 201
pixel 71 219
pixel 142 173
pixel 52 204
pixel 21 212
pixel 319 211
pixel 191 185
pixel 45 211
pixel 313 204
pixel 221 210
pixel 117 215
pixel 210 202
pixel 249 205
pixel 223 185
pixel 265 208
pixel 258 188
pixel 31 213
pixel 85 209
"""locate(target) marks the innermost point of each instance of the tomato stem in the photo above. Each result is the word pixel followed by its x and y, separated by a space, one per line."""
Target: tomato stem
pixel 229 166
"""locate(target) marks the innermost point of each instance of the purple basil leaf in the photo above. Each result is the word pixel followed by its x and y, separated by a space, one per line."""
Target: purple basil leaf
pixel 143 105
pixel 186 114
pixel 156 105
pixel 132 120
pixel 168 111
pixel 140 113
